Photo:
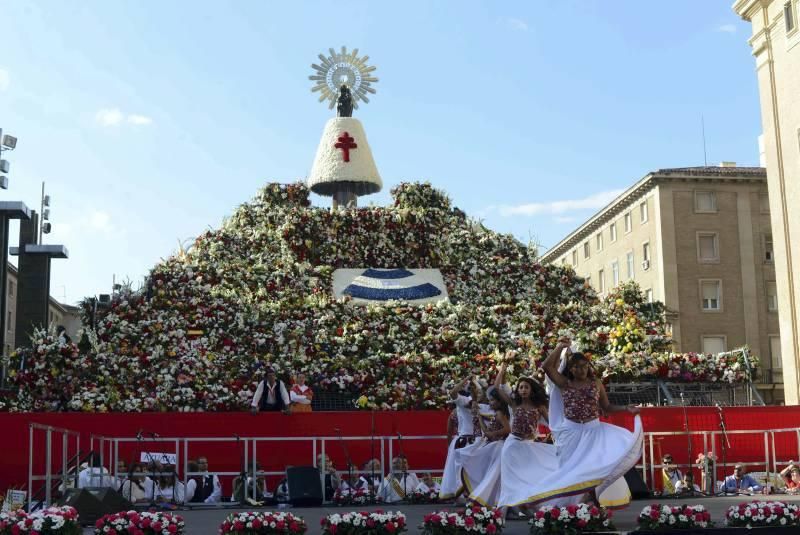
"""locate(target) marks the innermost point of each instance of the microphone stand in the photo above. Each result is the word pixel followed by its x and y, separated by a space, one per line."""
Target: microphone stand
pixel 347 458
pixel 405 461
pixel 243 472
pixel 725 445
pixel 688 441
pixel 371 486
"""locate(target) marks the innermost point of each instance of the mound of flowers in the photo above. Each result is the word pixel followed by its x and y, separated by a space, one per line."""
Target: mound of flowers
pixel 763 514
pixel 262 523
pixel 424 496
pixel 658 517
pixel 258 291
pixel 473 518
pixel 140 523
pixel 366 523
pixel 50 521
pixel 578 518
pixel 350 496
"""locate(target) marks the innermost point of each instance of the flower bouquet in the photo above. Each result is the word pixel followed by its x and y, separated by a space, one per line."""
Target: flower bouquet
pixel 657 517
pixel 571 519
pixel 357 496
pixel 50 521
pixel 374 523
pixel 424 496
pixel 261 523
pixel 140 523
pixel 472 519
pixel 763 514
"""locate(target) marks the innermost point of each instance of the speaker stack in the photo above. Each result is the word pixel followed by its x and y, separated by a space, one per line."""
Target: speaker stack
pixel 92 503
pixel 305 487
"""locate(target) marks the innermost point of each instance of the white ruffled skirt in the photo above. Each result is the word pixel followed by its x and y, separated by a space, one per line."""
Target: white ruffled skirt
pixel 480 473
pixel 451 485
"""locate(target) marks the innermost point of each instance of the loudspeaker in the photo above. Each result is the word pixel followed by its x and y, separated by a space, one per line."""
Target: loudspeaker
pixel 305 488
pixel 112 501
pixel 639 490
pixel 88 506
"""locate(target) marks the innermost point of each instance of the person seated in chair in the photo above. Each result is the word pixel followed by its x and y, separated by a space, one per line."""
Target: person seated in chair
pixel 671 476
pixel 332 480
pixel 246 493
pixel 205 488
pixel 96 475
pixel 740 482
pixel 686 485
pixel 399 483
pixel 168 489
pixel 791 478
pixel 138 488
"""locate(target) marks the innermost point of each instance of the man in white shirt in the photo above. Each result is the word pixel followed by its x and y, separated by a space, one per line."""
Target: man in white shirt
pixel 271 395
pixel 206 487
pixel 400 483
pixel 95 475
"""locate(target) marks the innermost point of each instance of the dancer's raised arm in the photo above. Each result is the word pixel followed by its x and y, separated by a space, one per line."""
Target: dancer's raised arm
pixel 499 381
pixel 458 388
pixel 550 364
pixel 606 405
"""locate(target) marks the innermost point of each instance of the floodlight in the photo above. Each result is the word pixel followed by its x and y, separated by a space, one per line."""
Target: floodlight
pixel 9 142
pixel 46 201
pixel 47 227
pixel 4 166
pixel 117 287
pixel 46 214
pixel 4 182
pixel 104 298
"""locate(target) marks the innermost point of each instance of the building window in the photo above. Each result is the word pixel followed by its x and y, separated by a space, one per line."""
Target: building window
pixel 615 273
pixel 713 344
pixel 629 260
pixel 574 258
pixel 646 256
pixel 601 281
pixel 707 247
pixel 788 16
pixel 711 295
pixel 589 279
pixel 599 239
pixel 643 216
pixel 769 253
pixel 612 232
pixel 11 288
pixel 649 295
pixel 763 202
pixel 8 322
pixel 563 260
pixel 705 202
pixel 628 222
pixel 772 296
pixel 586 251
pixel 775 358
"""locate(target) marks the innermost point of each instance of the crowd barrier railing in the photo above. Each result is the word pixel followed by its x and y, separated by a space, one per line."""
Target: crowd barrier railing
pixel 70 448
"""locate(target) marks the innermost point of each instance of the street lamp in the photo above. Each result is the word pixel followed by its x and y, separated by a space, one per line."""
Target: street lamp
pixel 46 226
pixel 7 142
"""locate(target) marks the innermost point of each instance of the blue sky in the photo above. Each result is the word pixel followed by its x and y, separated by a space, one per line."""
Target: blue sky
pixel 151 121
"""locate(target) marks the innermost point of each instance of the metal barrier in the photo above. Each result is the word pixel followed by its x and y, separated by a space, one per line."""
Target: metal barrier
pixel 47 477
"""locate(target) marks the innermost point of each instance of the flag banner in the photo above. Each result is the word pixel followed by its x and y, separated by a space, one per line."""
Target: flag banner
pixel 370 285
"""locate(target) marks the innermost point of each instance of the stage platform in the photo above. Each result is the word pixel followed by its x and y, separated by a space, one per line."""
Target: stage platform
pixel 207 521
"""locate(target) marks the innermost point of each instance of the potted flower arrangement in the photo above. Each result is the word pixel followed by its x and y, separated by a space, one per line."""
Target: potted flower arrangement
pixel 474 518
pixel 571 519
pixel 359 496
pixel 50 521
pixel 424 496
pixel 366 523
pixel 263 523
pixel 657 517
pixel 757 514
pixel 141 523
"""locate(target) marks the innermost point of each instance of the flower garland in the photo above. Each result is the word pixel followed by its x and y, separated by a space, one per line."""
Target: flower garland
pixel 473 518
pixel 263 523
pixel 359 496
pixel 258 291
pixel 763 514
pixel 366 523
pixel 50 521
pixel 571 519
pixel 140 523
pixel 657 517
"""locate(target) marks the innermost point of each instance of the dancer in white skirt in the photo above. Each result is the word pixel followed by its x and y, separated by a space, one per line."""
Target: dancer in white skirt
pixel 480 472
pixel 593 456
pixel 465 441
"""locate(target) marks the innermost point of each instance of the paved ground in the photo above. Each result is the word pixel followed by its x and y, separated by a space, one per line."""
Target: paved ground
pixel 206 522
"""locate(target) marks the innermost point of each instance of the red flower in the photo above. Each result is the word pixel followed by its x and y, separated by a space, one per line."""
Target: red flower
pixel 581 523
pixel 256 523
pixel 491 528
pixel 469 521
pixel 390 527
pixel 332 529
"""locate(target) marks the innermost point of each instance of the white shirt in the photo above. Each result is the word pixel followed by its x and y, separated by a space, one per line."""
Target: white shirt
pixel 133 493
pixel 396 488
pixel 297 398
pixel 423 487
pixel 214 497
pixel 175 494
pixel 270 393
pixel 96 477
pixel 464 414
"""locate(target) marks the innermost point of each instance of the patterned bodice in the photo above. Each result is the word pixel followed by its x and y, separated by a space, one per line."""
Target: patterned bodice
pixel 493 426
pixel 525 421
pixel 581 404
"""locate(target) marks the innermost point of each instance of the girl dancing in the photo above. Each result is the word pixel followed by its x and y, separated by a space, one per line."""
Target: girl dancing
pixel 480 472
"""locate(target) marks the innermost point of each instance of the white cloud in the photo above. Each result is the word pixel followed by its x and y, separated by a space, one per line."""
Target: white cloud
pixel 109 117
pixel 139 119
pixel 727 28
pixel 115 117
pixel 592 202
pixel 514 24
pixel 99 220
pixel 5 80
pixel 565 219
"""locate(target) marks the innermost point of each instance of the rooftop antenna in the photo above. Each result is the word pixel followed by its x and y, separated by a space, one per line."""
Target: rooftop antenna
pixel 703 128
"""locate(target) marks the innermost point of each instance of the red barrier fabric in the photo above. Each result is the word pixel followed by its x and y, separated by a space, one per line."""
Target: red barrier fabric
pixel 422 454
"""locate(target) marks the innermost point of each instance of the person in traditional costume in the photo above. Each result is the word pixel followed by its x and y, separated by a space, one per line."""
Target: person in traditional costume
pixel 204 488
pixel 398 484
pixel 138 488
pixel 467 428
pixel 428 484
pixel 480 472
pixel 670 476
pixel 332 479
pixel 593 456
pixel 270 395
pixel 301 394
pixel 370 478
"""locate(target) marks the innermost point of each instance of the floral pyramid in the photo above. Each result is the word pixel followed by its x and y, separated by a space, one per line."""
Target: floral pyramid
pixel 257 291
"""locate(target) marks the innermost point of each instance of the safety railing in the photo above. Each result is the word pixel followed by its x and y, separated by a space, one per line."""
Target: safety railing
pixel 70 448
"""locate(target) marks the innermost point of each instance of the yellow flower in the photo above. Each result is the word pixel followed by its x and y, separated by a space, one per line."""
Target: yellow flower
pixel 362 401
pixel 620 302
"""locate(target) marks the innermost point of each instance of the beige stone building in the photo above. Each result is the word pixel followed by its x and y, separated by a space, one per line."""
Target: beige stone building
pixel 58 313
pixel 699 240
pixel 776 47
